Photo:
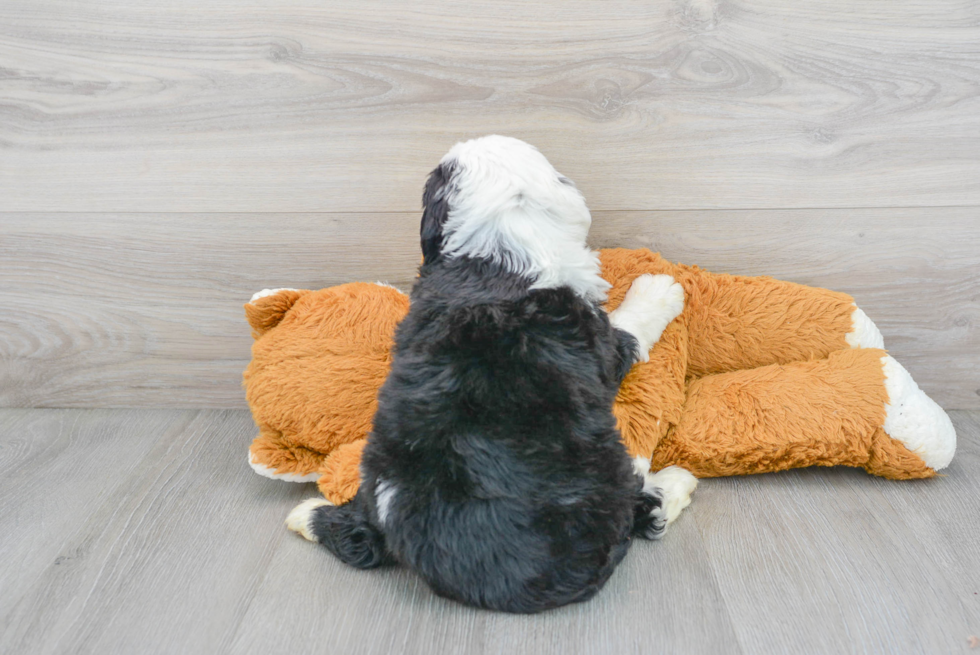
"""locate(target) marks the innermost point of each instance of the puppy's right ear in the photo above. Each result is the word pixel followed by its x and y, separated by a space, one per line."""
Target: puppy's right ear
pixel 435 211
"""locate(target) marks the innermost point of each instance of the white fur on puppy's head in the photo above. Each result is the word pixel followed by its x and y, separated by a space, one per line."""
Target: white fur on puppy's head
pixel 507 203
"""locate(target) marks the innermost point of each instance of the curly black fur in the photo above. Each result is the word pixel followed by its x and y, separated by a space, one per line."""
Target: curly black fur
pixel 495 469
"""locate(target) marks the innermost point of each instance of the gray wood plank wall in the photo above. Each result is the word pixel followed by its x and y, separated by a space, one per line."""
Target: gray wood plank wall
pixel 159 163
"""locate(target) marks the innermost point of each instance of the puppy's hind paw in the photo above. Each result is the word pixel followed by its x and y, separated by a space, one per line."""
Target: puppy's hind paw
pixel 650 518
pixel 677 484
pixel 299 520
pixel 665 494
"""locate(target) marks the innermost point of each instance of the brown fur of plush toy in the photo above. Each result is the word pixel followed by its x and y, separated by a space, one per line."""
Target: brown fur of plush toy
pixel 318 361
pixel 759 377
pixel 755 375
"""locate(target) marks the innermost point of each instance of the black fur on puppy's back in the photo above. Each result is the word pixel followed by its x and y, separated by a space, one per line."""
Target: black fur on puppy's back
pixel 495 469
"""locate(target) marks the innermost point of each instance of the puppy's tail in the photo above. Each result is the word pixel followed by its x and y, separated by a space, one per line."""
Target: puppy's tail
pixel 343 529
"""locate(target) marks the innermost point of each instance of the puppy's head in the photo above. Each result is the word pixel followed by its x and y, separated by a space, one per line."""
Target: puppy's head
pixel 499 198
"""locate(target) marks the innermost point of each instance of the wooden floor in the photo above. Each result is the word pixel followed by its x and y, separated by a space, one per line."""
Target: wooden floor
pixel 144 531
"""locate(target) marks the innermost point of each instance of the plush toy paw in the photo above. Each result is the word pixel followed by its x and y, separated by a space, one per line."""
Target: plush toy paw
pixel 273 474
pixel 669 492
pixel 651 303
pixel 864 333
pixel 915 419
pixel 299 519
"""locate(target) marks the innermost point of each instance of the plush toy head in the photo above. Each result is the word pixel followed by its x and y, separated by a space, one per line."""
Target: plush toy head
pixel 318 361
pixel 755 375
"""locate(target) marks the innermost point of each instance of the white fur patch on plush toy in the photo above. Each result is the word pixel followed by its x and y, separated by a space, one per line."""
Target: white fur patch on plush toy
pixel 915 419
pixel 865 333
pixel 268 292
pixel 270 473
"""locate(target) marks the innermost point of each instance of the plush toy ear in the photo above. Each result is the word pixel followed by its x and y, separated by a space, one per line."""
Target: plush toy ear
pixel 435 211
pixel 267 308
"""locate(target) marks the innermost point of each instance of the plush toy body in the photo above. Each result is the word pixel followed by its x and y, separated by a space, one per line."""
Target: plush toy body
pixel 756 375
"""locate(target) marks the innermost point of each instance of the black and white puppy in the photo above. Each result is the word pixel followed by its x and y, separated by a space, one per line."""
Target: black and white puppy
pixel 494 468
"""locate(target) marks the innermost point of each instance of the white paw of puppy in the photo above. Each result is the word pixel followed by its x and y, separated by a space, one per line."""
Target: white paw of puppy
pixel 669 492
pixel 299 518
pixel 677 485
pixel 651 303
pixel 268 292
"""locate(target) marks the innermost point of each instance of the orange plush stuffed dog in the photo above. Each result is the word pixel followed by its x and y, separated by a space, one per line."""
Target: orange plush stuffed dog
pixel 755 375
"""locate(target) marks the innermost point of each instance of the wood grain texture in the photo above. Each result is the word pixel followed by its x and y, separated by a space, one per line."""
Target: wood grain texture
pixel 57 469
pixel 166 555
pixel 146 309
pixel 251 105
pixel 143 531
pixel 630 615
pixel 836 561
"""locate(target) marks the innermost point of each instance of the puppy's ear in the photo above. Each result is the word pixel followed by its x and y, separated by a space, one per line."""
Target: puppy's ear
pixel 435 211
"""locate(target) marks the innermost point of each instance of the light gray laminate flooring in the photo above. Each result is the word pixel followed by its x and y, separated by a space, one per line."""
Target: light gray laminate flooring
pixel 144 531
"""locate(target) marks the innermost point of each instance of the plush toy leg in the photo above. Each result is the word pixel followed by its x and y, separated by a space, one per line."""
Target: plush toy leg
pixel 340 473
pixel 739 323
pixel 914 419
pixel 652 395
pixel 271 456
pixel 855 408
